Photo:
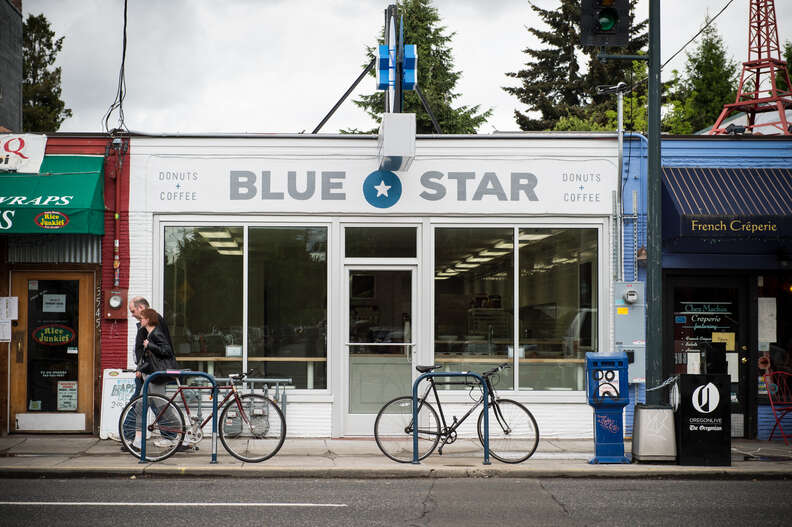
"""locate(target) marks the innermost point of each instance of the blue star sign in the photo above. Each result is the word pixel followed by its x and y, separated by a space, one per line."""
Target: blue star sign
pixel 382 189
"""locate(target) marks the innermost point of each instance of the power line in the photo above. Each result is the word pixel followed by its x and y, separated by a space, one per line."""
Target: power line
pixel 680 50
pixel 118 103
pixel 696 35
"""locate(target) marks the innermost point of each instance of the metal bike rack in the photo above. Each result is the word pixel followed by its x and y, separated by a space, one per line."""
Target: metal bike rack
pixel 415 408
pixel 179 373
pixel 279 385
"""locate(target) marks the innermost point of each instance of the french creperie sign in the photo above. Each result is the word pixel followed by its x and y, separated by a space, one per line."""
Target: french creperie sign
pixel 22 153
pixel 490 186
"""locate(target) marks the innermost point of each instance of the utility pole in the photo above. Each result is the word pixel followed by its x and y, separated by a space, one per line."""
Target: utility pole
pixel 654 271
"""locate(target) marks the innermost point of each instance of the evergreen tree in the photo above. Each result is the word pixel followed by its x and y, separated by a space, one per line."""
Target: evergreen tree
pixel 552 81
pixel 710 81
pixel 436 76
pixel 43 110
pixel 786 55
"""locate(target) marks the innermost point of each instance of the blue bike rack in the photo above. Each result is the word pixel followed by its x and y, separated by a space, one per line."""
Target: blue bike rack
pixel 178 373
pixel 415 408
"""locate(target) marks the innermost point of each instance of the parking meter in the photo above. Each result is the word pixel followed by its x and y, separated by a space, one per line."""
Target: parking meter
pixel 607 390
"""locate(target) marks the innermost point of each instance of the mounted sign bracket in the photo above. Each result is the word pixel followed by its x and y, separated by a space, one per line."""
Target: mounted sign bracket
pixel 396 142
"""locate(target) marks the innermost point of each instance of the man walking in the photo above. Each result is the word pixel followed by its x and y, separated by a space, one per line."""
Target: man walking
pixel 136 305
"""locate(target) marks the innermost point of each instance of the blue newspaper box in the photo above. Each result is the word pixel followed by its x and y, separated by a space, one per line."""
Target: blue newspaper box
pixel 607 390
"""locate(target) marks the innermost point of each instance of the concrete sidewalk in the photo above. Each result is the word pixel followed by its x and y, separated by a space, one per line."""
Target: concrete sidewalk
pixel 63 456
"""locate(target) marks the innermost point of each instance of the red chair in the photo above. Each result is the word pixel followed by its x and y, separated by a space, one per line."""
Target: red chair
pixel 779 391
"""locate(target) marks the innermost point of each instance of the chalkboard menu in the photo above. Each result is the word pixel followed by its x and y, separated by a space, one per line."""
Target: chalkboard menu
pixel 696 324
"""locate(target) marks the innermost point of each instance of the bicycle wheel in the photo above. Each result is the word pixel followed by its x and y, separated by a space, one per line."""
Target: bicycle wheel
pixel 513 434
pixel 164 427
pixel 393 429
pixel 255 432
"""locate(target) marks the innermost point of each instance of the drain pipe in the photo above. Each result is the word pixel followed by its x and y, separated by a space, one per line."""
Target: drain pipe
pixel 120 147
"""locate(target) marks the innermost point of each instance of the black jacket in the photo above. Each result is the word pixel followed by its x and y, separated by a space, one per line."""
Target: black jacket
pixel 142 334
pixel 158 345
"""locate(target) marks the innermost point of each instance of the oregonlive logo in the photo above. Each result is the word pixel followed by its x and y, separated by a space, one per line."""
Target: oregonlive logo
pixel 705 400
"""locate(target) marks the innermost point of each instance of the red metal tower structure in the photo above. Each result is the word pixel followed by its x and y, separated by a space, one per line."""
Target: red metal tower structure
pixel 764 62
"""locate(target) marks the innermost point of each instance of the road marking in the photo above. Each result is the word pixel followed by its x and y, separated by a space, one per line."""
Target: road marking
pixel 167 504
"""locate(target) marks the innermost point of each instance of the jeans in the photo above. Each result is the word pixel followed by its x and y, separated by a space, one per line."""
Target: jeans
pixel 130 423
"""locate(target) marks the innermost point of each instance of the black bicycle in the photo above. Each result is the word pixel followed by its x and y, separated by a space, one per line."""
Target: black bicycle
pixel 513 433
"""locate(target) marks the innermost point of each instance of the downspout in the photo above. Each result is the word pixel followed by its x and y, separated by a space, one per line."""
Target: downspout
pixel 641 155
pixel 120 147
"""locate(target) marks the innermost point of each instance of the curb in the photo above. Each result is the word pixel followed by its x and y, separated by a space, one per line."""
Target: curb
pixel 763 472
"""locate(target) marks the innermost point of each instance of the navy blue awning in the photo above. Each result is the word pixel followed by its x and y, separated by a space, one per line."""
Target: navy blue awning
pixel 728 204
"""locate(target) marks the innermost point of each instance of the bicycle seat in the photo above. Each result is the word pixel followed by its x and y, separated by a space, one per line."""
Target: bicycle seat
pixel 424 369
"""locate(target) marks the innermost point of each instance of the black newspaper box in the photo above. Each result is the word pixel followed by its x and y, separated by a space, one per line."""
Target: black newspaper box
pixel 704 420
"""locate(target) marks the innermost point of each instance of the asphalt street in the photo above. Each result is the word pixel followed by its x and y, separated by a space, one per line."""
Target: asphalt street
pixel 457 502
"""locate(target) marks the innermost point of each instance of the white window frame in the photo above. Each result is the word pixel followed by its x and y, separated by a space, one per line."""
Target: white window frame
pixel 165 220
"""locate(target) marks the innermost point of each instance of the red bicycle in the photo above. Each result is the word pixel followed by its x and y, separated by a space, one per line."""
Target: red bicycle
pixel 251 426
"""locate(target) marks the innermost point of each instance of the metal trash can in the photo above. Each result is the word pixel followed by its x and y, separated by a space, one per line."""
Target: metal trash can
pixel 607 389
pixel 703 420
pixel 654 436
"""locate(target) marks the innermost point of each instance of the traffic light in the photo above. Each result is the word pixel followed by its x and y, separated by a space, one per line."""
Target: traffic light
pixel 605 23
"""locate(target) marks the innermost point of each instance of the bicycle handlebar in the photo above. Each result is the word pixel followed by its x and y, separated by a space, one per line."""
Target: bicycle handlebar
pixel 497 369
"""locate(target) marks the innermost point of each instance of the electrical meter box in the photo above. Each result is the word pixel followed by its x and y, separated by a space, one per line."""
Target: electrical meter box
pixel 629 315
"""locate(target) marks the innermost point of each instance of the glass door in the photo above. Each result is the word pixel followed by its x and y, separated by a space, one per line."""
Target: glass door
pixel 709 316
pixel 52 352
pixel 380 341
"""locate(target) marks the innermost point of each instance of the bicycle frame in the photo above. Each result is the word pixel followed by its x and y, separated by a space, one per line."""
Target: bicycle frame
pixel 231 393
pixel 178 373
pixel 485 414
pixel 447 431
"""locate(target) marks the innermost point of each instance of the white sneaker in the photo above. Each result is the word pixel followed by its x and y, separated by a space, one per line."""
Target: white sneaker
pixel 163 443
pixel 136 443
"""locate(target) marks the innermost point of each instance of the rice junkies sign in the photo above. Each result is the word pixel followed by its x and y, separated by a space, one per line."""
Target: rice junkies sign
pixel 573 186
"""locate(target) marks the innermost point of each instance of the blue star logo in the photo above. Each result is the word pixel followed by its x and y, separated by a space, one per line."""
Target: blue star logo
pixel 382 189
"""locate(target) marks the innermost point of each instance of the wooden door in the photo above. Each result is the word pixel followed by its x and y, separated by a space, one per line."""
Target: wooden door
pixel 52 352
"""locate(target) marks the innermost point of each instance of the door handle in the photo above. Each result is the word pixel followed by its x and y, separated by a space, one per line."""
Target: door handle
pixel 20 354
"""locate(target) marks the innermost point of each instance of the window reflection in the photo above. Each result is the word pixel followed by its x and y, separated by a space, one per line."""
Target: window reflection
pixel 203 297
pixel 380 242
pixel 287 304
pixel 557 299
pixel 474 307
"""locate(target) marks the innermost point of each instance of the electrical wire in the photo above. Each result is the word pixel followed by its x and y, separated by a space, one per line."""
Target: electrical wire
pixel 680 50
pixel 118 103
pixel 696 35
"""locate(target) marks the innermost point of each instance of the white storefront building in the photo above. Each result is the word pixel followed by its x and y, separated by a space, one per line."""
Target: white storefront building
pixel 296 257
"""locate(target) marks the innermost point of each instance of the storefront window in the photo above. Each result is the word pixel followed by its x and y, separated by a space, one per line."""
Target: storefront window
pixel 556 303
pixel 287 304
pixel 557 306
pixel 203 297
pixel 474 307
pixel 774 306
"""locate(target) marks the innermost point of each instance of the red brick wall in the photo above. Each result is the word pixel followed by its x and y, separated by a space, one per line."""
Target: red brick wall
pixel 112 352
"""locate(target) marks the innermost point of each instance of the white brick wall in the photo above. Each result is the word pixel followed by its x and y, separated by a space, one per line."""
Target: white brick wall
pixel 140 267
pixel 308 419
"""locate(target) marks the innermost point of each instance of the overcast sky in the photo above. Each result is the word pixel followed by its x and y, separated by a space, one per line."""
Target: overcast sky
pixel 278 66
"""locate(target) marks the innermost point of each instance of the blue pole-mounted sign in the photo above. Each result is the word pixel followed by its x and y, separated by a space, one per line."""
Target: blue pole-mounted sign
pixel 383 67
pixel 397 63
pixel 410 67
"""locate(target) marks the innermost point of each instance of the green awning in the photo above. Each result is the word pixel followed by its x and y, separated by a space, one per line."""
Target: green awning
pixel 66 197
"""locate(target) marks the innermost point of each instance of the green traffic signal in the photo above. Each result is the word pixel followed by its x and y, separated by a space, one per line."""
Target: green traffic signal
pixel 605 23
pixel 607 19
